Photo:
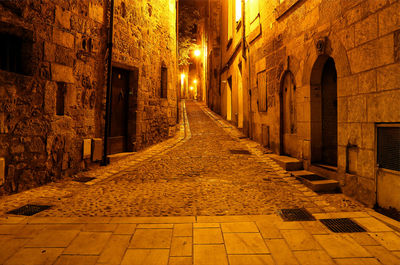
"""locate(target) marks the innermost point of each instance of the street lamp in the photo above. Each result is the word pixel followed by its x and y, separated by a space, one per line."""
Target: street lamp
pixel 197 53
pixel 195 81
pixel 191 88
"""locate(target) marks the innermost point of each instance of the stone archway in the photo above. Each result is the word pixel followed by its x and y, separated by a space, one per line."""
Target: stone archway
pixel 320 51
pixel 323 100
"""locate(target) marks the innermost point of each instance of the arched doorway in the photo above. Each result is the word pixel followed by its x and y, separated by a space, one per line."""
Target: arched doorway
pixel 324 111
pixel 288 115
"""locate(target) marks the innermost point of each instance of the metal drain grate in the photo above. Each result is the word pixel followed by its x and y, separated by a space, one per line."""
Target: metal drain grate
pixel 342 225
pixel 83 179
pixel 297 214
pixel 29 209
pixel 240 152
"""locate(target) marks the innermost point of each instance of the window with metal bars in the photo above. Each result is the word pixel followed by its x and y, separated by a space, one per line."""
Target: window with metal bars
pixel 389 148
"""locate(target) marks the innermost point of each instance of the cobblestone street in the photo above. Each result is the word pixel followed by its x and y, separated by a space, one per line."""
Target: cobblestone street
pixel 197 176
pixel 187 201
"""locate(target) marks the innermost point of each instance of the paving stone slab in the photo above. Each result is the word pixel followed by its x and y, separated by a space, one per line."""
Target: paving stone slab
pixel 125 229
pixel 76 260
pixel 389 240
pixel 183 230
pixel 357 261
pixel 114 250
pixel 313 258
pixel 151 238
pixel 209 254
pixel 88 243
pixel 180 261
pixel 250 260
pixel 53 238
pixel 239 227
pixel 145 256
pixel 281 252
pixel 245 243
pixel 181 246
pixel 207 236
pixel 300 240
pixel 383 255
pixel 341 246
pixel 34 256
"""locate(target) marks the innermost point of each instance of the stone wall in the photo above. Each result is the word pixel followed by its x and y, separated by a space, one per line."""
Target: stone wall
pixel 145 38
pixel 362 38
pixel 57 98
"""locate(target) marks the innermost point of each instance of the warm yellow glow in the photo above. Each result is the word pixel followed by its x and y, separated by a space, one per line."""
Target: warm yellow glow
pixel 191 88
pixel 183 76
pixel 195 81
pixel 197 53
pixel 238 10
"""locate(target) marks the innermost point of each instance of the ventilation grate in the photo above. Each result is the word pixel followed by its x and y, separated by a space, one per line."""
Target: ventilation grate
pixel 83 179
pixel 297 214
pixel 342 225
pixel 29 209
pixel 240 152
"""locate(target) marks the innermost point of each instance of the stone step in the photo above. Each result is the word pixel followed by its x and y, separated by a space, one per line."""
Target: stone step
pixel 323 170
pixel 286 162
pixel 315 182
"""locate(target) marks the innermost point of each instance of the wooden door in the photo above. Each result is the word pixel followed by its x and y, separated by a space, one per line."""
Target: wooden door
pixel 289 126
pixel 329 113
pixel 119 110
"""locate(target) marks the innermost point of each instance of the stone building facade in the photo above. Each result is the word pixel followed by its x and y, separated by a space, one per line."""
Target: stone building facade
pixel 53 84
pixel 318 80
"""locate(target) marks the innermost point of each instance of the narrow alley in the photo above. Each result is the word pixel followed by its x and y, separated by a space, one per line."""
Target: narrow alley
pixel 200 132
pixel 190 200
pixel 199 177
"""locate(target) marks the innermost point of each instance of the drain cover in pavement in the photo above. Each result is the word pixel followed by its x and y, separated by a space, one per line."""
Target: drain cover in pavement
pixel 296 214
pixel 29 209
pixel 240 152
pixel 342 225
pixel 83 179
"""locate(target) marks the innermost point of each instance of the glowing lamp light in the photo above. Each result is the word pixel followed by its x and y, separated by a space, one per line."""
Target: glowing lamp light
pixel 191 88
pixel 183 76
pixel 197 53
pixel 195 81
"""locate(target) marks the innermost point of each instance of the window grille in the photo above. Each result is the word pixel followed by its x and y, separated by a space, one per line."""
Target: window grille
pixel 389 148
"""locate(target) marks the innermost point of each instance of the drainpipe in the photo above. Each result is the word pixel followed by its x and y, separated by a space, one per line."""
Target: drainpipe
pixel 105 160
pixel 178 92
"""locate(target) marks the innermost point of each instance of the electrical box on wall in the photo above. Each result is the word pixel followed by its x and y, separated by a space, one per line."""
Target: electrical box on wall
pixel 97 149
pixel 2 170
pixel 87 148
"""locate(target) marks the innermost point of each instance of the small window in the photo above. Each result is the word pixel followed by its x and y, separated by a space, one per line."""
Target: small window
pixel 10 53
pixel 164 82
pixel 60 100
pixel 389 148
pixel 262 91
pixel 15 54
